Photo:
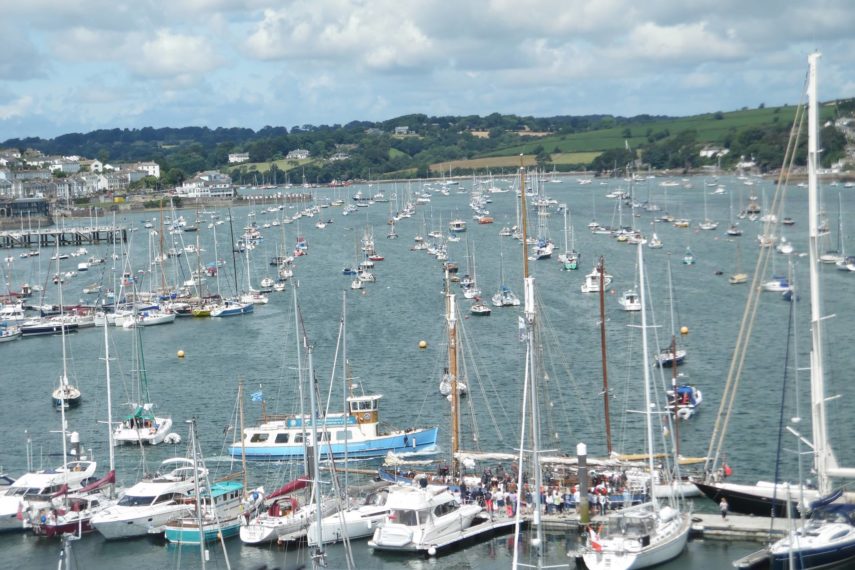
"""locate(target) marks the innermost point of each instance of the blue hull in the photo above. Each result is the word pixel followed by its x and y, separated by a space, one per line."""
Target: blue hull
pixel 191 536
pixel 425 440
pixel 236 312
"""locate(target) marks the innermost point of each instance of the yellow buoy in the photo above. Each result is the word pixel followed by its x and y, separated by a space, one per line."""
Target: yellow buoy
pixel 684 330
pixel 180 354
pixel 423 344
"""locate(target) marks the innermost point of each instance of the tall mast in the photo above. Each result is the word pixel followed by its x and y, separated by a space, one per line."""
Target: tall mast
pixel 674 366
pixel 451 319
pixel 242 446
pixel 344 381
pixel 63 382
pixel 234 245
pixel 601 267
pixel 300 376
pixel 531 349
pixel 648 411
pixel 197 490
pixel 318 557
pixel 822 453
pixel 109 401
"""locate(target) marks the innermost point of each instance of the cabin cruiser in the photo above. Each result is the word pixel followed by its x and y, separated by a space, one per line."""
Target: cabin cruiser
pixel 421 517
pixel 150 504
pixel 35 490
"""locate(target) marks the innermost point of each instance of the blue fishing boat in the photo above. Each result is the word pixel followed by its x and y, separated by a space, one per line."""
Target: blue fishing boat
pixel 355 433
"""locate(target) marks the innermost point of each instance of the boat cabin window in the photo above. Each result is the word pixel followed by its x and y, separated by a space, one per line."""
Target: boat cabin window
pixel 258 437
pixel 165 498
pixel 408 517
pixel 132 501
pixel 324 436
pixel 363 406
pixel 281 438
pixel 445 508
pixel 298 438
pixel 344 434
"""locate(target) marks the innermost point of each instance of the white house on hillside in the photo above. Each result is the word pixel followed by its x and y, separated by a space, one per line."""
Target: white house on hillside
pixel 238 157
pixel 209 184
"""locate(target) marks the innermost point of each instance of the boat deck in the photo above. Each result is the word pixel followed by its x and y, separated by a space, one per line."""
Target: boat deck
pixel 477 532
pixel 708 526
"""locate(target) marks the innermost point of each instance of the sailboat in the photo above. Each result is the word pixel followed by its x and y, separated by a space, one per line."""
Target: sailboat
pixel 828 539
pixel 65 395
pixel 837 255
pixel 647 534
pixel 738 277
pixel 569 259
pixel 544 246
pixel 142 425
pixel 683 399
pixel 707 224
pixel 504 297
pixel 469 282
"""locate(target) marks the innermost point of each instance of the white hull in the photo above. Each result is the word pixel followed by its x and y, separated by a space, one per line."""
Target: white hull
pixel 151 436
pixel 630 555
pixel 264 528
pixel 127 522
pixel 356 523
pixel 412 539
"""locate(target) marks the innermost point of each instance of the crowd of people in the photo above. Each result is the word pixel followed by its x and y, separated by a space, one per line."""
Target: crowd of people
pixel 500 493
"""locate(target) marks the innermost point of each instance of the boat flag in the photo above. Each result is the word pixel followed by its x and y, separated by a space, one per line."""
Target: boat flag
pixel 521 329
pixel 256 396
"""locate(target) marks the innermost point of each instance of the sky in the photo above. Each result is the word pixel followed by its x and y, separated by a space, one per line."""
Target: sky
pixel 79 65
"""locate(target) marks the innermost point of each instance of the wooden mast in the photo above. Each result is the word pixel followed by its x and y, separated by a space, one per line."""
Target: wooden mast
pixel 451 319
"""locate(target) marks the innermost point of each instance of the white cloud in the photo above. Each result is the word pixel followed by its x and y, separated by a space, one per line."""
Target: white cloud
pixel 693 42
pixel 378 35
pixel 16 108
pixel 177 56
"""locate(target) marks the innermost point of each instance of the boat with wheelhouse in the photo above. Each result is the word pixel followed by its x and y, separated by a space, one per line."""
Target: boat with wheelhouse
pixel 355 433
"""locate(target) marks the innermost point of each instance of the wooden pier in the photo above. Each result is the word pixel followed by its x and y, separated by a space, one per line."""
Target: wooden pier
pixel 49 238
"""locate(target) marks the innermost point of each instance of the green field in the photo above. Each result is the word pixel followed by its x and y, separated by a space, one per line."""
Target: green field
pixel 710 129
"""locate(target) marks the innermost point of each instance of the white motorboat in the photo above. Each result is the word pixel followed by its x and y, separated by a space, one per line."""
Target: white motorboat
pixel 147 506
pixel 422 517
pixel 592 282
pixel 359 521
pixel 34 490
pixel 630 301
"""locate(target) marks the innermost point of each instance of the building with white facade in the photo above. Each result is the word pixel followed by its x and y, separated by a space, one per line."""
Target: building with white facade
pixel 209 184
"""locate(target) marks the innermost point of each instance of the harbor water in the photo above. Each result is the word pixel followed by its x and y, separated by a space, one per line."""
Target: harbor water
pixel 387 320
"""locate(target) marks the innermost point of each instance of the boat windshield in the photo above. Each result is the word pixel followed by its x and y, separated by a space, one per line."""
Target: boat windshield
pixel 408 517
pixel 132 501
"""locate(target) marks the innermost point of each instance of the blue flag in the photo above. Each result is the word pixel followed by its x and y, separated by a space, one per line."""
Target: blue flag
pixel 256 396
